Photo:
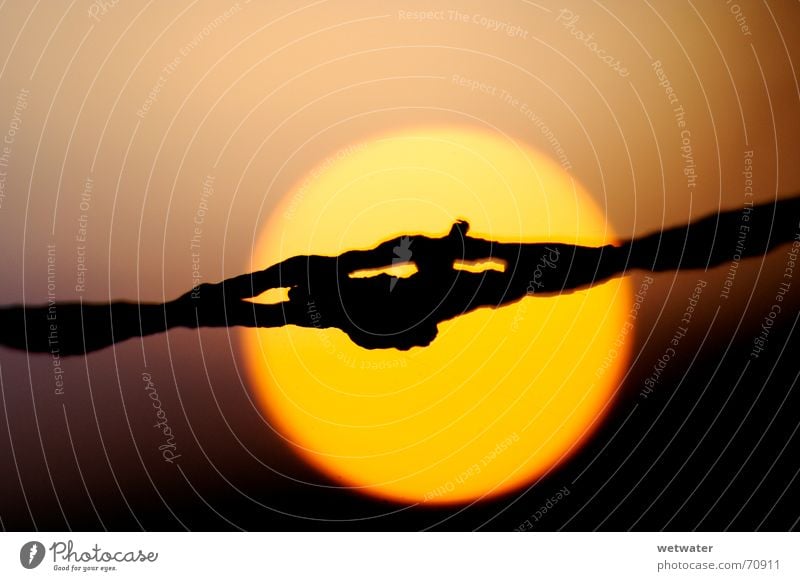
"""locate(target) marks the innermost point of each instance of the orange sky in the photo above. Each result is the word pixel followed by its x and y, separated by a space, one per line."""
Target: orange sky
pixel 164 133
pixel 255 96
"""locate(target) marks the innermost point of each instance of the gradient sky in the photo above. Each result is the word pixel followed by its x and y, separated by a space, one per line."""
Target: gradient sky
pixel 166 108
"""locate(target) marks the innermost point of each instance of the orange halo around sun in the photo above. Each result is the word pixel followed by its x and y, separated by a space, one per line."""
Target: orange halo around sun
pixel 502 395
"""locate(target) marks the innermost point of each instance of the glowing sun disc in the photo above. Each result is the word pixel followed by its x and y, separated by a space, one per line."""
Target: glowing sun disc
pixel 502 395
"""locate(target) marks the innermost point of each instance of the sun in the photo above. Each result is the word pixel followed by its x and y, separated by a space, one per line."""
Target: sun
pixel 502 395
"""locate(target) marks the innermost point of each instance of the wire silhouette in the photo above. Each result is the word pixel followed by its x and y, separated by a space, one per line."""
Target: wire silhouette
pixel 385 311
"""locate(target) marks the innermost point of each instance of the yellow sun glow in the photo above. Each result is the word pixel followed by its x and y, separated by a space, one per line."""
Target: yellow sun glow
pixel 502 395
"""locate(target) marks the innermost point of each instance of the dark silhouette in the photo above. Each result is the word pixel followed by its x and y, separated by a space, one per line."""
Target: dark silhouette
pixel 384 311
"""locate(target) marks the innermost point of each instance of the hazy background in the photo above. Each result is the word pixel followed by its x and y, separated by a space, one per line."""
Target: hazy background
pixel 146 101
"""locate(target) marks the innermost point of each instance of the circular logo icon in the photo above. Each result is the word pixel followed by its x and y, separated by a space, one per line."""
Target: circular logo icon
pixel 31 554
